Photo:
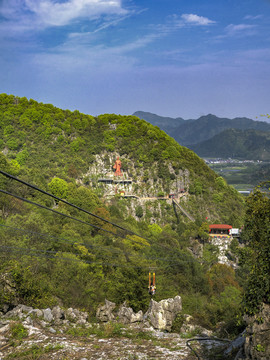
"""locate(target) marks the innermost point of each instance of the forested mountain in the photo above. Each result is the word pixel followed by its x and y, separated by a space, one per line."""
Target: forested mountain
pixel 51 258
pixel 43 142
pixel 234 143
pixel 165 123
pixel 189 132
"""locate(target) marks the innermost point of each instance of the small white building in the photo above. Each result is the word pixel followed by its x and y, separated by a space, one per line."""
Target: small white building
pixel 235 232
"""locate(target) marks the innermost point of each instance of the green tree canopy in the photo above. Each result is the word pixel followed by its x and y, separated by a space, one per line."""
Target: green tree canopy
pixel 58 187
pixel 257 236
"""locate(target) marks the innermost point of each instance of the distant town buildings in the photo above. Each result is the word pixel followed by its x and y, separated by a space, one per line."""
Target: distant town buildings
pixel 229 161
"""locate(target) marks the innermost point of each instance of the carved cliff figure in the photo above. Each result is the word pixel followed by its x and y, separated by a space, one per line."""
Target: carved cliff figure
pixel 117 167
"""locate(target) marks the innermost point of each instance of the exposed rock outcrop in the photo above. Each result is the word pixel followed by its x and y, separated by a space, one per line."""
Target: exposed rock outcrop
pixel 70 340
pixel 159 314
pixel 103 165
pixel 257 340
pixel 47 329
pixel 105 312
pixel 162 314
pixel 236 347
pixel 56 315
pixel 223 243
pixel 126 315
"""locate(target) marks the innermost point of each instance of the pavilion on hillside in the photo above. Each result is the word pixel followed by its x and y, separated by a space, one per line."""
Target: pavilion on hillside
pixel 220 229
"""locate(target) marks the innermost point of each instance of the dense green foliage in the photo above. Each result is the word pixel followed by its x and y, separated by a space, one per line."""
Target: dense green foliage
pixel 257 230
pixel 49 258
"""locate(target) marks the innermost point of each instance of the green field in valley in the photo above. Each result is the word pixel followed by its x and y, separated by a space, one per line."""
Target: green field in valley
pixel 243 176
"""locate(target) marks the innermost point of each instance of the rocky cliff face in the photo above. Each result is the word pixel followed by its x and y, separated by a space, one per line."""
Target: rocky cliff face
pixel 141 186
pixel 145 183
pixel 223 243
pixel 257 343
pixel 162 314
pixel 159 314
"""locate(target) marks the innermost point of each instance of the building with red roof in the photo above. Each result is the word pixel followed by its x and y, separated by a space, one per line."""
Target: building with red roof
pixel 219 229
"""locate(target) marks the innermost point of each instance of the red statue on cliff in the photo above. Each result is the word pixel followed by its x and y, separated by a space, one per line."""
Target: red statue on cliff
pixel 117 167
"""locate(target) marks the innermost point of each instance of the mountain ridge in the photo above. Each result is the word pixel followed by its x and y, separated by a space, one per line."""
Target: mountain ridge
pixel 190 132
pixel 247 144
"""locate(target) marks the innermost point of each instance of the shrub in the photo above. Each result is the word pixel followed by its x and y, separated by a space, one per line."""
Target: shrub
pixel 18 331
pixel 139 211
pixel 58 187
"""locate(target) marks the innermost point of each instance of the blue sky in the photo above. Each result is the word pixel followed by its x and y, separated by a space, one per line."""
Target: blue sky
pixel 183 58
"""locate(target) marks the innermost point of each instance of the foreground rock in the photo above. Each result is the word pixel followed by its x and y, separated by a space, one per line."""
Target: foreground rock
pixel 66 334
pixel 54 316
pixel 162 314
pixel 126 315
pixel 105 312
pixel 159 314
pixel 257 339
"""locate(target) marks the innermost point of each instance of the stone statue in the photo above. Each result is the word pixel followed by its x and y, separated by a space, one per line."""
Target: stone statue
pixel 117 167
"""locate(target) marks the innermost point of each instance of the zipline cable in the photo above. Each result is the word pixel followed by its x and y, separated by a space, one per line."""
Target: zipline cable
pixel 67 203
pixel 75 206
pixel 71 217
pixel 68 216
pixel 89 246
pixel 59 213
pixel 60 239
pixel 51 254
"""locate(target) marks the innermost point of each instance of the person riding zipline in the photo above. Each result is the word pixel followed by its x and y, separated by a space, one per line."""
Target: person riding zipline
pixel 152 284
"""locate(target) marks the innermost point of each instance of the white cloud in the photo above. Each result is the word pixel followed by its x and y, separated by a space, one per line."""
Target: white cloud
pixel 114 22
pixel 196 20
pixel 251 17
pixel 46 13
pixel 175 22
pixel 77 53
pixel 239 29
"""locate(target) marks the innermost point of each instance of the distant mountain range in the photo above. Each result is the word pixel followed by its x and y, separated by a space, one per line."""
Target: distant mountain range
pixel 245 144
pixel 211 136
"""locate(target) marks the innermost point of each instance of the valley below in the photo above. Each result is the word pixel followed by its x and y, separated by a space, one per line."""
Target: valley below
pixel 243 175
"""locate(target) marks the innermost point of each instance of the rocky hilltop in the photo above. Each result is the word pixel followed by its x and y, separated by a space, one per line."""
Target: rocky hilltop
pixel 67 334
pixel 77 228
pixel 59 333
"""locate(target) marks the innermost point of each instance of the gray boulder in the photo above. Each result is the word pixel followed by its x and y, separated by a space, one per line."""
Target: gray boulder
pixel 257 343
pixel 162 314
pixel 20 311
pixel 58 315
pixel 47 315
pixel 36 313
pixel 71 315
pixel 126 315
pixel 25 309
pixel 138 317
pixel 105 312
pixel 236 345
pixel 81 317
